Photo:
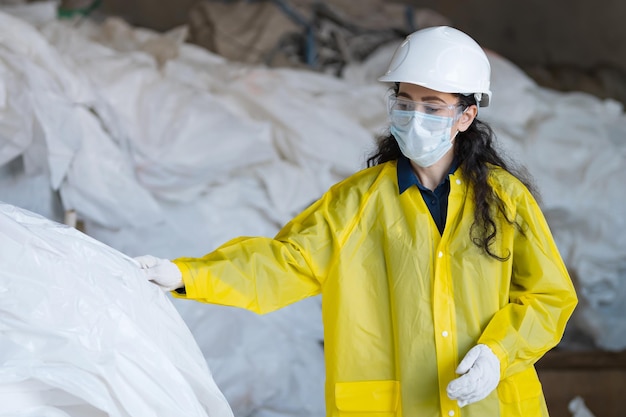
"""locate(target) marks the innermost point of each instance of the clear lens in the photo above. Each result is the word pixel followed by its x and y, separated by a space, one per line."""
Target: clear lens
pixel 402 110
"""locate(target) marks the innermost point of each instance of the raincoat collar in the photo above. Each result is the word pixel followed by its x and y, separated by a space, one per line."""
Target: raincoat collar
pixel 407 178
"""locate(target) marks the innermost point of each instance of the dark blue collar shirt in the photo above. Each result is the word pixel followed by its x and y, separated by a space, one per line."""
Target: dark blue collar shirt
pixel 437 199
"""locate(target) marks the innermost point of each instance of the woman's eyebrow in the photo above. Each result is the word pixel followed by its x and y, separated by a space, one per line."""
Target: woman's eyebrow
pixel 433 98
pixel 422 99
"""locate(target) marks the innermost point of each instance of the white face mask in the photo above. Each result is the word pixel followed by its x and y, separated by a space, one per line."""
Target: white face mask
pixel 423 138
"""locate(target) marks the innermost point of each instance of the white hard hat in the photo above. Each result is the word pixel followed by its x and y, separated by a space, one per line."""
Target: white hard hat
pixel 443 59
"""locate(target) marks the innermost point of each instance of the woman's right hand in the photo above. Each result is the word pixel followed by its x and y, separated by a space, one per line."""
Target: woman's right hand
pixel 161 272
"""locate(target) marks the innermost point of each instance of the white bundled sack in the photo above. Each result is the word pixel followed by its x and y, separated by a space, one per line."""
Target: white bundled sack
pixel 83 334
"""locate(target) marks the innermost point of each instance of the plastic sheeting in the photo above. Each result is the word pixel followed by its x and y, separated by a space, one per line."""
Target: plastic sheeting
pixel 83 334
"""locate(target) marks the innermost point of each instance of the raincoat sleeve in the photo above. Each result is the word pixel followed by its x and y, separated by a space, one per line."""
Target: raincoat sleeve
pixel 263 274
pixel 541 295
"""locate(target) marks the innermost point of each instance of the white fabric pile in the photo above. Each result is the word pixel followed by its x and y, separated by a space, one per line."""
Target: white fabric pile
pixel 64 147
pixel 82 333
pixel 163 148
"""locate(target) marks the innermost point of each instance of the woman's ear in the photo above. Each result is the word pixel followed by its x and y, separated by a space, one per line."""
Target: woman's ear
pixel 467 117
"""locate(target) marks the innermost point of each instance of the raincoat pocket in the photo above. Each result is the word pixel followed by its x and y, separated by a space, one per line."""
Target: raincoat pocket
pixel 368 396
pixel 521 394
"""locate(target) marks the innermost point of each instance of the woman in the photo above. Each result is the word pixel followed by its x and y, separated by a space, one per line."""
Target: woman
pixel 440 280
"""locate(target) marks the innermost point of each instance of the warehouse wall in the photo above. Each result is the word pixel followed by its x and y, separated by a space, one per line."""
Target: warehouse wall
pixel 154 14
pixel 564 44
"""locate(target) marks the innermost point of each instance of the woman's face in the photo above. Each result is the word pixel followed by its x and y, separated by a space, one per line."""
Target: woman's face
pixel 426 95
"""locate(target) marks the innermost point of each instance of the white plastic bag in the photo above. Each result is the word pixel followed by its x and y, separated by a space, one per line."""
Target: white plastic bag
pixel 83 334
pixel 578 408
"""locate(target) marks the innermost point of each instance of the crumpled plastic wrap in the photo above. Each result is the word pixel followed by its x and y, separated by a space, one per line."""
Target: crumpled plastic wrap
pixel 82 333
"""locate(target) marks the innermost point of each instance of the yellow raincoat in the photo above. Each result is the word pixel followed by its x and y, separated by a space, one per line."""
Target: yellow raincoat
pixel 402 304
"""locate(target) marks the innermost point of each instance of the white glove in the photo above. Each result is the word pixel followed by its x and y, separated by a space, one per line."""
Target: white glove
pixel 162 272
pixel 480 374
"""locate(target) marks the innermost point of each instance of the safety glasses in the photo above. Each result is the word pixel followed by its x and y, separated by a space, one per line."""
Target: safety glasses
pixel 402 110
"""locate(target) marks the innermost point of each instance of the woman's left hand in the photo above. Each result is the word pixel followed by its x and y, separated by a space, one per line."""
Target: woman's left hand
pixel 480 374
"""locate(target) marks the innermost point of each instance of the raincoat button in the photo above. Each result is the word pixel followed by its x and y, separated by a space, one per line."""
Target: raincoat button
pixel 458 182
pixel 440 254
pixel 451 413
pixel 444 333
